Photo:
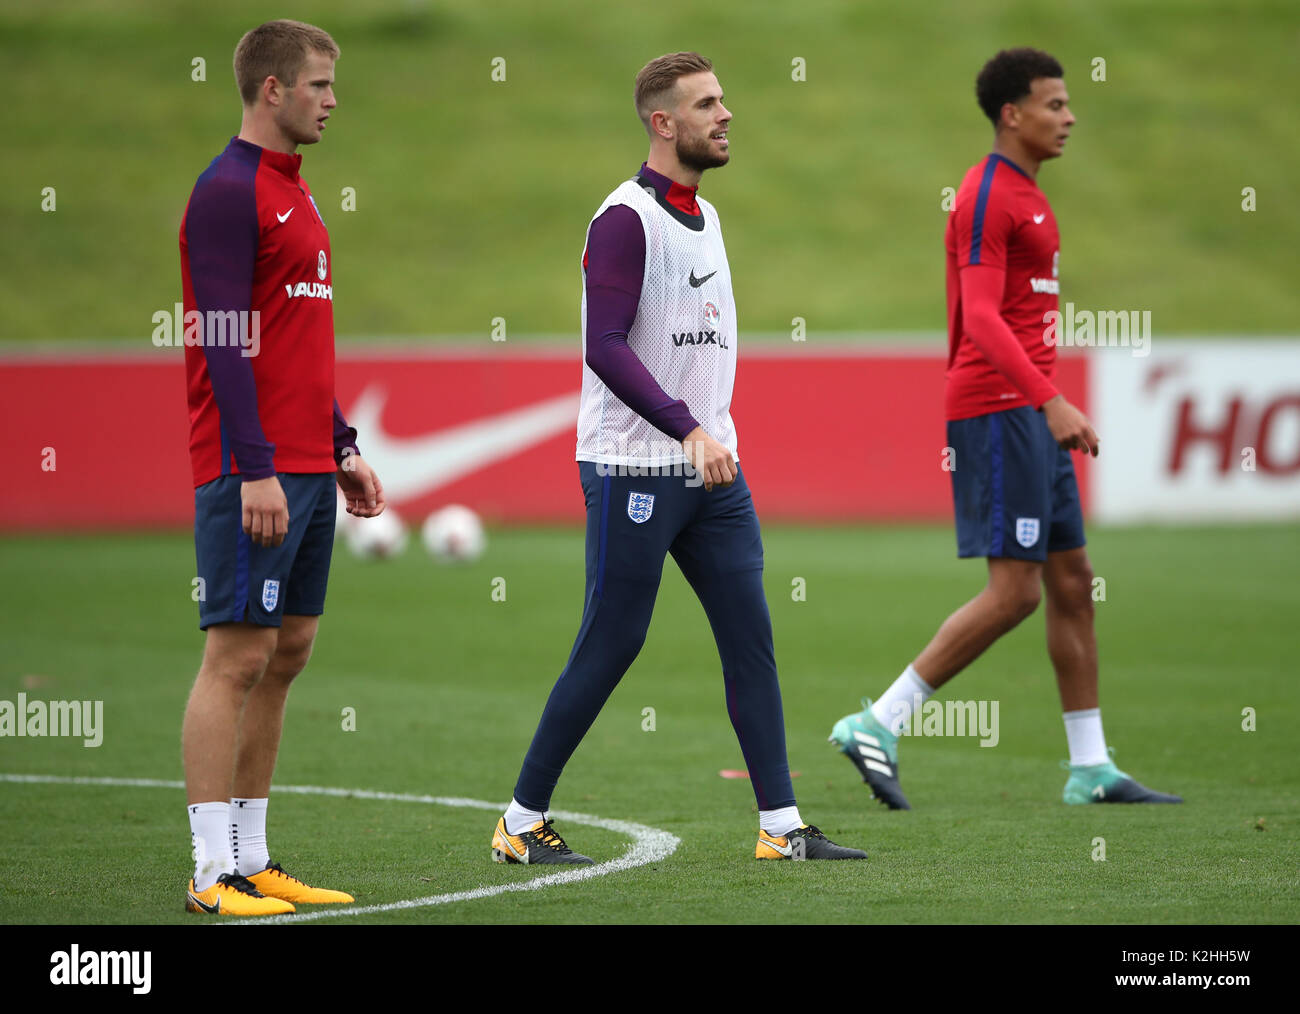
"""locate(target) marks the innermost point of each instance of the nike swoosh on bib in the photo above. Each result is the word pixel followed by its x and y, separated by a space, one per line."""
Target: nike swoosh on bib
pixel 697 282
pixel 410 467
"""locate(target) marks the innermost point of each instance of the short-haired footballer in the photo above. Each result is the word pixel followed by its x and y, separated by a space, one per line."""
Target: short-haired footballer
pixel 1014 491
pixel 268 444
pixel 657 461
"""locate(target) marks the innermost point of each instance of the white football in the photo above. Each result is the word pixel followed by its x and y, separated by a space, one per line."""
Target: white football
pixel 454 535
pixel 376 538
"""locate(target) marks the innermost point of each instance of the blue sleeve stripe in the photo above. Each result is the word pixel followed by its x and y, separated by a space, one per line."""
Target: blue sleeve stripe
pixel 981 205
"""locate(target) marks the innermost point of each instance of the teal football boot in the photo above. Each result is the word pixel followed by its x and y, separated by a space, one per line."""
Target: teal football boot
pixel 873 749
pixel 1105 783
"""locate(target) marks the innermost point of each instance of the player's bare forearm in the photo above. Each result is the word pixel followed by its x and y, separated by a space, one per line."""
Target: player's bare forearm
pixel 711 459
pixel 363 493
pixel 1070 427
pixel 265 510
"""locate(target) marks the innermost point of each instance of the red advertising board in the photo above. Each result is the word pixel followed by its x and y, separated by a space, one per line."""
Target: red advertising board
pixel 101 441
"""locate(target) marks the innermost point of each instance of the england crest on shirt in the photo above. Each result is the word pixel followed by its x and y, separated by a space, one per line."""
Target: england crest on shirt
pixel 270 594
pixel 1026 531
pixel 640 506
pixel 313 204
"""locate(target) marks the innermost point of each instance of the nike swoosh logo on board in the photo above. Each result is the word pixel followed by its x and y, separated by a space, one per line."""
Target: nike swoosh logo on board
pixel 414 466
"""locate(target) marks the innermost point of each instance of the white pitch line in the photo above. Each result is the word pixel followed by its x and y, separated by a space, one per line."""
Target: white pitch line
pixel 649 844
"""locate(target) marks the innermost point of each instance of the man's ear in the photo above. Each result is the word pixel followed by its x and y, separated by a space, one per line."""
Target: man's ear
pixel 272 90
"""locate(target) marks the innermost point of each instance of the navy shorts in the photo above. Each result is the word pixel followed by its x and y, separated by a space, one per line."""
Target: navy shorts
pixel 1013 487
pixel 245 582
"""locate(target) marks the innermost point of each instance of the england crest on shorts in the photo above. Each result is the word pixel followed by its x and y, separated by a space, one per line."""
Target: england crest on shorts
pixel 640 506
pixel 270 594
pixel 1026 531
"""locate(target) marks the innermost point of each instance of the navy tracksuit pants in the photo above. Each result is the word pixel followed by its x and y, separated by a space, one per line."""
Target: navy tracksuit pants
pixel 632 523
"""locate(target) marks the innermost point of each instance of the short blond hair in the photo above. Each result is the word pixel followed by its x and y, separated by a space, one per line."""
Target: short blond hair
pixel 279 49
pixel 658 79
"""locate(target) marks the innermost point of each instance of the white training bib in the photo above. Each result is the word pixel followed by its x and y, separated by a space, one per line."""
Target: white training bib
pixel 684 333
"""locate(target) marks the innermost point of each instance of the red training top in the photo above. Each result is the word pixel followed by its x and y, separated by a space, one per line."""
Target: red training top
pixel 1003 249
pixel 252 240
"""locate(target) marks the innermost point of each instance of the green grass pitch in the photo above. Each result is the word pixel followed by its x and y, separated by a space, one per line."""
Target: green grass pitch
pixel 447 685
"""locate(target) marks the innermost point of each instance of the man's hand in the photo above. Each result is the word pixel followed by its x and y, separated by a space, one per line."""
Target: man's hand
pixel 266 511
pixel 363 493
pixel 1070 427
pixel 713 461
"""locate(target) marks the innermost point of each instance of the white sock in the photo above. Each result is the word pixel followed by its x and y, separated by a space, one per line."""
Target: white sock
pixel 779 822
pixel 1083 733
pixel 211 846
pixel 248 836
pixel 520 819
pixel 895 707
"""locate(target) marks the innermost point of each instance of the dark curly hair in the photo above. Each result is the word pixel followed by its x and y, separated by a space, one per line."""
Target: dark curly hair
pixel 1008 78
